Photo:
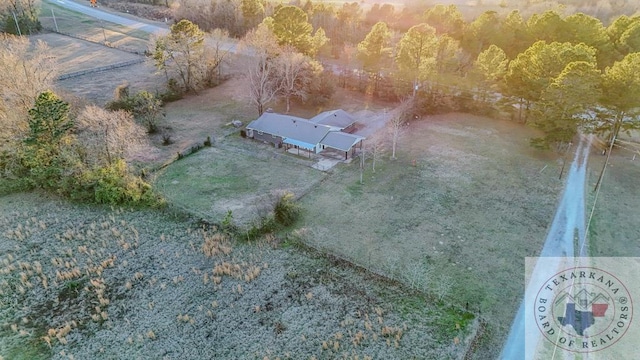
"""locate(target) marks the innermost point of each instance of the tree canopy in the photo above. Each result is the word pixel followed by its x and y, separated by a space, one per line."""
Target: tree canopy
pixel 416 53
pixel 291 27
pixel 182 53
pixel 375 48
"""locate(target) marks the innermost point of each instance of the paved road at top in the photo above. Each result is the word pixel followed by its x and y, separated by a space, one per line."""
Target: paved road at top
pixel 566 233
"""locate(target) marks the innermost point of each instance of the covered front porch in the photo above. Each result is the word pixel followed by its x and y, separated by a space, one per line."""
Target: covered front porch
pixel 299 148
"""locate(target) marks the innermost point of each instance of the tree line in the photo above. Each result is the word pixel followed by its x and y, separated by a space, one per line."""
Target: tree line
pixel 559 73
pixel 66 147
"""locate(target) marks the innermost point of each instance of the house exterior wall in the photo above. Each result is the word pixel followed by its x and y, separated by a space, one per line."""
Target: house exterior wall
pixel 350 128
pixel 273 139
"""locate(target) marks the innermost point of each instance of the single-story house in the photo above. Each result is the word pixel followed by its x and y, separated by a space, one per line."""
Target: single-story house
pixel 295 132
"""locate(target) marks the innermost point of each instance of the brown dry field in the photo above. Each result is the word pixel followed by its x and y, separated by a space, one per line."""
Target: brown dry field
pixel 87 27
pixel 74 54
pixel 98 87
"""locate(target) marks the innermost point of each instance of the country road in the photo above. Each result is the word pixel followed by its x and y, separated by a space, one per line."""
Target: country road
pixel 565 240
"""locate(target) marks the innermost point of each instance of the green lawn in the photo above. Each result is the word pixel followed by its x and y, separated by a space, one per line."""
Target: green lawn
pixel 614 227
pixel 458 224
pixel 236 174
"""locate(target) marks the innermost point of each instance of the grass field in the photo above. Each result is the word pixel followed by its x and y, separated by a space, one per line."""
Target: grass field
pixel 614 227
pixel 459 223
pixel 74 55
pixel 85 26
pixel 238 175
pixel 86 282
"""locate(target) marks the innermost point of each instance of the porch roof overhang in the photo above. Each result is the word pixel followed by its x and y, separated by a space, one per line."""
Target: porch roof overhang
pixel 298 143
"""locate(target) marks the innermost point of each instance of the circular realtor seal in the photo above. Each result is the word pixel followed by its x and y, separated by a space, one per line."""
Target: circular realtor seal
pixel 583 309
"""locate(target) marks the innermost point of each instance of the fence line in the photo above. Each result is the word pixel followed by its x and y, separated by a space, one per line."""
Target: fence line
pixel 99 69
pixel 86 38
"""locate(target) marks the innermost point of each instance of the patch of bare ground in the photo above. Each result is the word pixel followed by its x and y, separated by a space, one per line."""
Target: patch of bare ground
pixel 93 283
pixel 456 214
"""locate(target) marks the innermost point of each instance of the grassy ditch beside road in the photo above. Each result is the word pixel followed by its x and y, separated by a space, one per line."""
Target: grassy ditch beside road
pixel 614 226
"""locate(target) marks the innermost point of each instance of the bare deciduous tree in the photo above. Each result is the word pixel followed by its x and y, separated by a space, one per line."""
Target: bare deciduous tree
pixel 215 53
pixel 376 149
pixel 397 123
pixel 363 155
pixel 107 136
pixel 24 73
pixel 295 73
pixel 258 49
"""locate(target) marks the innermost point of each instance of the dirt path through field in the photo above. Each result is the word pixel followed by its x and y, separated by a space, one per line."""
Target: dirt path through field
pixel 566 235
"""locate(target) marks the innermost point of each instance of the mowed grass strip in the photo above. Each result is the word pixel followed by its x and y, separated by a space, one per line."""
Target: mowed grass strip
pixel 239 175
pixel 455 215
pixel 613 230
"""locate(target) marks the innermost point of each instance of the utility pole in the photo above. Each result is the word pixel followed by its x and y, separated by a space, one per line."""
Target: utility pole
pixel 17 25
pixel 606 161
pixel 54 21
pixel 103 33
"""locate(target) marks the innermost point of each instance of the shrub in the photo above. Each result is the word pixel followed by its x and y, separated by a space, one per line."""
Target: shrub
pixel 207 142
pixel 286 211
pixel 166 139
pixel 228 225
pixel 194 149
pixel 111 184
pixel 144 106
pixel 28 24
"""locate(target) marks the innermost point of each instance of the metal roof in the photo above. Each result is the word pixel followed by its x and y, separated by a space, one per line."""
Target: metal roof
pixel 336 118
pixel 300 144
pixel 290 127
pixel 341 141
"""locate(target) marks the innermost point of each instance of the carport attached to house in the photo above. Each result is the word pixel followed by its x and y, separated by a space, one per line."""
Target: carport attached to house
pixel 342 142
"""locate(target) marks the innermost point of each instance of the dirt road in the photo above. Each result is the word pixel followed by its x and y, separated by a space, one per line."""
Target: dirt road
pixel 565 239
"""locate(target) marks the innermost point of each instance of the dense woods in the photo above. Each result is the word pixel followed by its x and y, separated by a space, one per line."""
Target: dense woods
pixel 549 69
pixel 562 73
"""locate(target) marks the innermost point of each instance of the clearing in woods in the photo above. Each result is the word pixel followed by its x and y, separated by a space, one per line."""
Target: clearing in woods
pixel 466 200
